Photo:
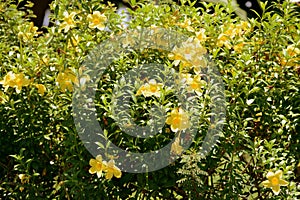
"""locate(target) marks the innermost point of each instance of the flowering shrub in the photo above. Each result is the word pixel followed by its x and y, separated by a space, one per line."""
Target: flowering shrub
pixel 257 152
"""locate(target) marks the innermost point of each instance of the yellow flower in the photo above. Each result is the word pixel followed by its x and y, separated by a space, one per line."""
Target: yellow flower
pixel 239 47
pixel 274 181
pixel 41 89
pixel 24 178
pixel 112 170
pixel 21 189
pixel 245 26
pixel 196 83
pixel 291 56
pixel 27 32
pixel 177 57
pixel 198 64
pixel 97 20
pixel 97 166
pixel 8 80
pixel 66 79
pixel 186 24
pixel 149 89
pixel 20 81
pixel 292 51
pixel 237 30
pixel 200 35
pixel 15 80
pixel 231 31
pixel 178 120
pixel 176 148
pixel 188 53
pixel 68 21
pixel 223 40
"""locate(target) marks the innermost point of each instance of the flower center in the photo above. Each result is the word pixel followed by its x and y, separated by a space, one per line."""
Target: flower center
pixel 194 85
pixel 176 120
pixel 19 81
pixel 96 21
pixel 98 166
pixel 275 181
pixel 153 88
pixel 69 21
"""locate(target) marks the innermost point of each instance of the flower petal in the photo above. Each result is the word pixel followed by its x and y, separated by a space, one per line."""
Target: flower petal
pixel 267 183
pixel 109 175
pixel 92 170
pixel 93 162
pixel 283 182
pixel 117 172
pixel 276 189
pixel 99 173
pixel 270 175
pixel 99 158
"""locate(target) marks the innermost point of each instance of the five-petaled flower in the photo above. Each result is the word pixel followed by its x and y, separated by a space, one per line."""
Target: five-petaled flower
pixel 97 166
pixel 97 20
pixel 14 80
pixel 112 170
pixel 68 21
pixel 149 89
pixel 195 83
pixel 274 181
pixel 178 119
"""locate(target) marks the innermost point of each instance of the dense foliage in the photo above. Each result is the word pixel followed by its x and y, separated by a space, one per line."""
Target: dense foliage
pixel 42 156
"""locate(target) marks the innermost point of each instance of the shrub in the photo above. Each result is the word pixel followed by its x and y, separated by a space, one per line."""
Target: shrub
pixel 42 155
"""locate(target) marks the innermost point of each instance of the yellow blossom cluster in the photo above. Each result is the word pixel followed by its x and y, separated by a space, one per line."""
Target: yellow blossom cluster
pixel 187 24
pixel 274 181
pixel 16 81
pixel 150 89
pixel 231 32
pixel 96 20
pixel 98 166
pixel 291 56
pixel 189 54
pixel 66 79
pixel 27 32
pixel 68 22
pixel 24 179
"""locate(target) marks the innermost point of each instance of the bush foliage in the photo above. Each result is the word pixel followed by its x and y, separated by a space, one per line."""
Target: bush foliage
pixel 42 155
